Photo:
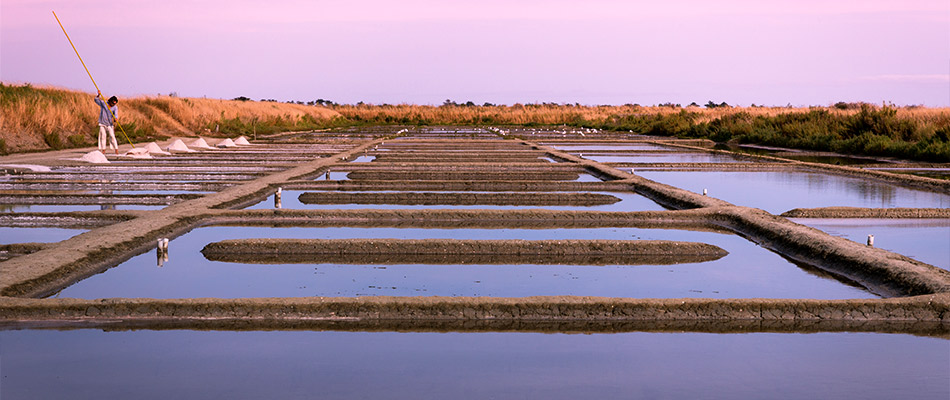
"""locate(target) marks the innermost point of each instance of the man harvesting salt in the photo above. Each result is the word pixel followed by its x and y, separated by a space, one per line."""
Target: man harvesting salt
pixel 107 115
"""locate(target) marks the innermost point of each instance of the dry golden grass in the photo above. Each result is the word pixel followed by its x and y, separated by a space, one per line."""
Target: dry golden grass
pixel 28 113
pixel 566 114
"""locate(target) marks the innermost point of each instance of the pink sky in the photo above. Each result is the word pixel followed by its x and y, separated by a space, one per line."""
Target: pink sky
pixel 805 52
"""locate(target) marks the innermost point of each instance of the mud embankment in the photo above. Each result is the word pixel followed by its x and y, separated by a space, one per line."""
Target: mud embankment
pixel 438 251
pixel 410 312
pixel 697 219
pixel 855 212
pixel 881 271
pixel 8 251
pixel 478 186
pixel 467 199
pixel 98 199
pixel 463 176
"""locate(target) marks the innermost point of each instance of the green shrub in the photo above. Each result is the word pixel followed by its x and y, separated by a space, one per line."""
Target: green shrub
pixel 76 140
pixel 53 140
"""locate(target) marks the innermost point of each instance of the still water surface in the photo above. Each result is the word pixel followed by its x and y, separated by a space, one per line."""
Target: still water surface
pixel 777 192
pixel 926 240
pixel 289 199
pixel 11 235
pixel 748 271
pixel 143 364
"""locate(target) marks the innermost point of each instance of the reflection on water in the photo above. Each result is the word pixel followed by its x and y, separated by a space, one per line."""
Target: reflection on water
pixel 777 192
pixel 95 364
pixel 747 271
pixel 926 240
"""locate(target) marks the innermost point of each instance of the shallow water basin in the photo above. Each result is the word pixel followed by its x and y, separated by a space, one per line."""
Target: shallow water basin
pixel 662 158
pixel 777 192
pixel 97 364
pixel 628 202
pixel 11 235
pixel 747 271
pixel 925 240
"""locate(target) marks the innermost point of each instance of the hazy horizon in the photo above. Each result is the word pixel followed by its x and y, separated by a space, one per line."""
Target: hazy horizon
pixel 740 52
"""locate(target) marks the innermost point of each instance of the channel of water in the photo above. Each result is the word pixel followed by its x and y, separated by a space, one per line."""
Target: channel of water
pixel 146 364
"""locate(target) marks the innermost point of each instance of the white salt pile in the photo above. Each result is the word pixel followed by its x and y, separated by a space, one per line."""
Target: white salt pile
pixel 138 152
pixel 199 144
pixel 179 147
pixel 242 141
pixel 31 167
pixel 153 148
pixel 226 143
pixel 95 157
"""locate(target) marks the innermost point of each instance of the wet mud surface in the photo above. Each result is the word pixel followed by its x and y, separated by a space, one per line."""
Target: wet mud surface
pixel 449 251
pixel 429 198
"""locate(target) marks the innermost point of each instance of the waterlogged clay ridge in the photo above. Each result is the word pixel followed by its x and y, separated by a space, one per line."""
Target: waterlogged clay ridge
pixel 430 198
pixel 487 311
pixel 479 186
pixel 883 272
pixel 697 219
pixel 441 251
pixel 8 251
pixel 450 260
pixel 463 176
pixel 97 199
pixel 855 212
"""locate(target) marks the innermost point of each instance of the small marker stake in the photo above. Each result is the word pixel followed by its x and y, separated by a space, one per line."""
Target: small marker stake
pixel 704 192
pixel 871 240
pixel 277 198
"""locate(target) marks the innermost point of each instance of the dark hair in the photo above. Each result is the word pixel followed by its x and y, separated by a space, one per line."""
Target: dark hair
pixel 113 99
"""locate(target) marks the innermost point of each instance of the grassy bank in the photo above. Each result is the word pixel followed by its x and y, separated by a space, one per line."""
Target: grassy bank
pixel 40 118
pixel 43 118
pixel 914 133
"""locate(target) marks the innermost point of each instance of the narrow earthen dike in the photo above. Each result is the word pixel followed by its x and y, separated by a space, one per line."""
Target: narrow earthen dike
pixel 468 199
pixel 464 176
pixel 450 251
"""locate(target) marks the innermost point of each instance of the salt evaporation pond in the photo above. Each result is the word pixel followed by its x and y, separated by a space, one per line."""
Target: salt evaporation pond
pixel 777 192
pixel 289 199
pixel 11 235
pixel 748 271
pixel 926 240
pixel 145 364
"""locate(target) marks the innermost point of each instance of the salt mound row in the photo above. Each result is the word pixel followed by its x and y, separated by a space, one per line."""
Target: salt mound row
pixel 138 152
pixel 226 143
pixel 242 141
pixel 95 157
pixel 153 148
pixel 31 167
pixel 200 144
pixel 179 147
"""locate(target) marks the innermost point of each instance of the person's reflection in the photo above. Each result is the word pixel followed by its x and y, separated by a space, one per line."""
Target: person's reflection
pixel 106 206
